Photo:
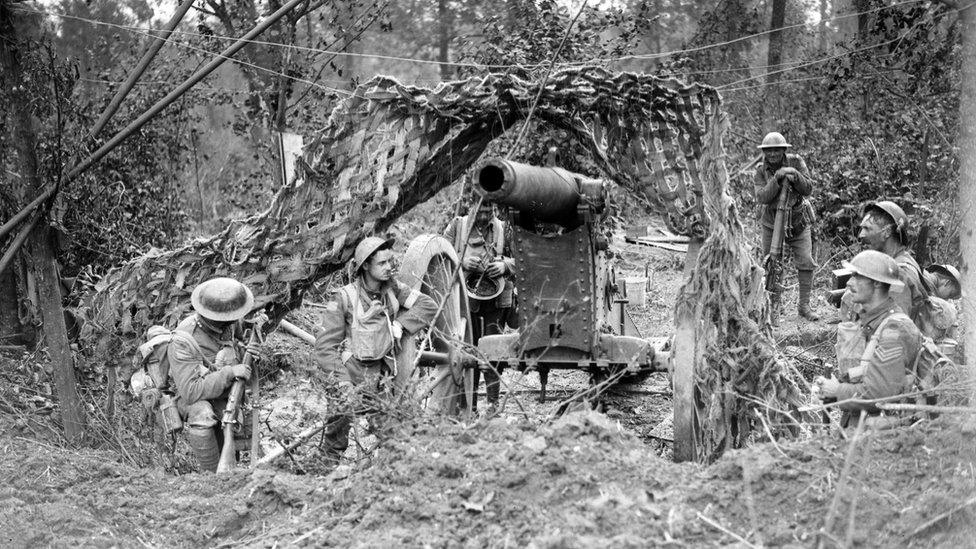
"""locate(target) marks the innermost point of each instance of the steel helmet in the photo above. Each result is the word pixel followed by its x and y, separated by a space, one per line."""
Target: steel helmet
pixel 774 140
pixel 874 265
pixel 896 214
pixel 951 272
pixel 367 247
pixel 222 299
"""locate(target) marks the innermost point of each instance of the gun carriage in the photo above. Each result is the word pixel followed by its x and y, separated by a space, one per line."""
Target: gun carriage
pixel 571 311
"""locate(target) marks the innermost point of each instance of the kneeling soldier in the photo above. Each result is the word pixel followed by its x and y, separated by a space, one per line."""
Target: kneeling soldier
pixel 370 315
pixel 891 338
pixel 204 365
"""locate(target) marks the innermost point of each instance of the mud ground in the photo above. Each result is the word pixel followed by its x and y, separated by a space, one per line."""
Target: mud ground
pixel 523 477
pixel 580 481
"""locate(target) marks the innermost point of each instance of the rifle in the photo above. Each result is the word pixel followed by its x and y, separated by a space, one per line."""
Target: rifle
pixel 774 259
pixel 228 453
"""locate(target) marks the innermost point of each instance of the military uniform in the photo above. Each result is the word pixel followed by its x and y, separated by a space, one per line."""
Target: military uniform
pixel 798 228
pixel 488 317
pixel 892 342
pixel 913 296
pixel 201 370
pixel 344 311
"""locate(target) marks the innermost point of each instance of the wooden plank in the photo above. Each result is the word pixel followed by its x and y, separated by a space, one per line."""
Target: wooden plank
pixel 674 239
pixel 683 357
pixel 666 246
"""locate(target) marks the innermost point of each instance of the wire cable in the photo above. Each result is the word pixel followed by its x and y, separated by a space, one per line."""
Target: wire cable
pixel 648 56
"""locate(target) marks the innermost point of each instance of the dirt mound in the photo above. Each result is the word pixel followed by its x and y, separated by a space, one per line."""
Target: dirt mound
pixel 581 481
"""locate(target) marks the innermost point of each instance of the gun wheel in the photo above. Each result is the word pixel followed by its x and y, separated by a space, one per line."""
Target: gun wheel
pixel 430 264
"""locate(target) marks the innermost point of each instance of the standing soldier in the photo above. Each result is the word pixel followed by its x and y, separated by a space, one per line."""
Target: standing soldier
pixel 779 169
pixel 884 228
pixel 485 259
pixel 370 315
pixel 891 338
pixel 204 365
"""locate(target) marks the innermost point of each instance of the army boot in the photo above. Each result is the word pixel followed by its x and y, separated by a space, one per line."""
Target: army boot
pixel 806 284
pixel 203 442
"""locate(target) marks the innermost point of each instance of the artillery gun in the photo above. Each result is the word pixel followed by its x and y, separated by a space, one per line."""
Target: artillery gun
pixel 571 311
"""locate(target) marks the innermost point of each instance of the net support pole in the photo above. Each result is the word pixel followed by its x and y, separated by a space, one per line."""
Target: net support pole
pixel 172 96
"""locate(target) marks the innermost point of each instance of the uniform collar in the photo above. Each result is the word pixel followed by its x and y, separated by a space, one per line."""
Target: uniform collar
pixel 366 292
pixel 227 334
pixel 871 318
pixel 901 250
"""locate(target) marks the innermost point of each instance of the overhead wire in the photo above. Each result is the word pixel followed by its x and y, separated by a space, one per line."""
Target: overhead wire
pixel 253 65
pixel 829 57
pixel 648 56
pixel 731 86
pixel 739 39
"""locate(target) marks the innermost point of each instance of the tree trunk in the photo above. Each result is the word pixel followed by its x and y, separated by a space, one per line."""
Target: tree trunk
pixel 11 332
pixel 446 23
pixel 967 182
pixel 350 63
pixel 658 30
pixel 41 257
pixel 822 30
pixel 773 60
pixel 861 7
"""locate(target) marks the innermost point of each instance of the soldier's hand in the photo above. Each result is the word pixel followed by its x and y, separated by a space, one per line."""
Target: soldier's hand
pixel 242 371
pixel 829 387
pixel 397 330
pixel 471 264
pixel 255 349
pixel 786 171
pixel 495 269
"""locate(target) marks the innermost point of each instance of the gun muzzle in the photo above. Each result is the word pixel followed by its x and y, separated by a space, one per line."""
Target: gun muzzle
pixel 550 195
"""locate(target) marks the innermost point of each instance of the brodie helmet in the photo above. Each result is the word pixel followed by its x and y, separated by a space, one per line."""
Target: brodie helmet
pixel 222 299
pixel 875 265
pixel 897 215
pixel 774 140
pixel 367 247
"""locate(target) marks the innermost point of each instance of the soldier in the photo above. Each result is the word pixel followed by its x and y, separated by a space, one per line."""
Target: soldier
pixel 204 365
pixel 779 168
pixel 884 228
pixel 891 338
pixel 485 254
pixel 938 316
pixel 944 280
pixel 370 315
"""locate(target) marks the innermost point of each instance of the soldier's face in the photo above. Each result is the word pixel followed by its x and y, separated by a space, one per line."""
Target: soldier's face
pixel 483 215
pixel 380 266
pixel 861 288
pixel 945 287
pixel 872 234
pixel 774 156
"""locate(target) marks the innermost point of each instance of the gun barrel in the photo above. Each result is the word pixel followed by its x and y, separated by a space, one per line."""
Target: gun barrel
pixel 548 194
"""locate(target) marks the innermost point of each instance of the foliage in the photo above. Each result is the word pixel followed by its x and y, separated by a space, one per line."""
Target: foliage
pixel 882 122
pixel 528 33
pixel 125 203
pixel 873 112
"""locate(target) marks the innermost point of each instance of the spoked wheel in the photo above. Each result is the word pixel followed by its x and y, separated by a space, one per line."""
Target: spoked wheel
pixel 430 265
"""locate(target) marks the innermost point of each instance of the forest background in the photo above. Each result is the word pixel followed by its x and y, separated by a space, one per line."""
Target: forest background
pixel 866 90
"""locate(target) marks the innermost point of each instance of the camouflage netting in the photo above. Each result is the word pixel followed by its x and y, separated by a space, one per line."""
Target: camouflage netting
pixel 390 147
pixel 741 379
